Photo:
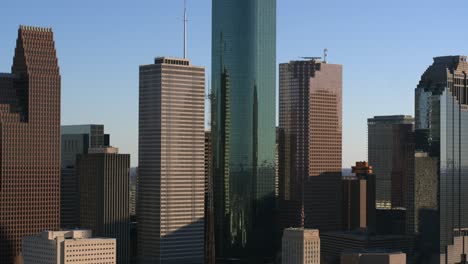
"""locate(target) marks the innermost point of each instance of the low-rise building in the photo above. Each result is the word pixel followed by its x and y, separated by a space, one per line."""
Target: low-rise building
pixel 66 247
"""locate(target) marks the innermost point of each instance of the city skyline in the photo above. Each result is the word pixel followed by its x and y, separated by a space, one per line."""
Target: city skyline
pixel 362 36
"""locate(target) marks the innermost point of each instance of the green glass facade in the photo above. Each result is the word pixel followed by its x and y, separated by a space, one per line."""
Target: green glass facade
pixel 243 127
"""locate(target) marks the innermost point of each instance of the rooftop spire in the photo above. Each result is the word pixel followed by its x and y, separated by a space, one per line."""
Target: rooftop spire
pixel 185 29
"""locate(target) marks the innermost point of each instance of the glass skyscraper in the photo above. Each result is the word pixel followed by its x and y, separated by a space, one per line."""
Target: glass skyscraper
pixel 243 127
pixel 442 132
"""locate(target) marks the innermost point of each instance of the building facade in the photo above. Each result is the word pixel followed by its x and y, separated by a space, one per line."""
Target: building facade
pixel 104 185
pixel 75 140
pixel 68 247
pixel 442 123
pixel 389 146
pixel 243 126
pixel 301 246
pixel 30 140
pixel 171 183
pixel 310 137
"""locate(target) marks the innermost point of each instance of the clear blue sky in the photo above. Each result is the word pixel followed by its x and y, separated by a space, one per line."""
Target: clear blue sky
pixel 384 46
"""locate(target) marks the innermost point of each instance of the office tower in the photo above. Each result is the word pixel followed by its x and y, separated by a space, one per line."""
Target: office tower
pixel 210 257
pixel 133 190
pixel 310 120
pixel 68 247
pixel 359 199
pixel 171 184
pixel 30 140
pixel 243 127
pixel 75 140
pixel 441 115
pixel 389 142
pixel 374 257
pixel 301 246
pixel 104 184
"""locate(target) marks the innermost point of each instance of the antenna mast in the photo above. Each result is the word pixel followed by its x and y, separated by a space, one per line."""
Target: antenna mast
pixel 185 29
pixel 325 55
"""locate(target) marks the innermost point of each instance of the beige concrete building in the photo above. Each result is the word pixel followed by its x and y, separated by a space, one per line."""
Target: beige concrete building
pixel 171 184
pixel 66 247
pixel 373 258
pixel 301 246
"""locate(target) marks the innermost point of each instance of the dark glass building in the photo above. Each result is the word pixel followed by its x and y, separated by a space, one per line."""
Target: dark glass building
pixel 442 122
pixel 30 142
pixel 390 140
pixel 243 126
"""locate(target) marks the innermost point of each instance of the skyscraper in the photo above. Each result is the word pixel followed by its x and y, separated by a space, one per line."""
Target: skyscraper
pixel 210 256
pixel 389 146
pixel 243 126
pixel 104 185
pixel 171 183
pixel 30 140
pixel 442 123
pixel 310 121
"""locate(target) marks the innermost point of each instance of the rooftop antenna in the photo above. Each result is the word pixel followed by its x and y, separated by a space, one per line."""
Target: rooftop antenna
pixel 185 29
pixel 325 55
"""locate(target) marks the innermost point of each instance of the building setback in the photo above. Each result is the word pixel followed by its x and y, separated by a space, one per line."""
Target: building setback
pixel 243 127
pixel 171 183
pixel 30 142
pixel 104 184
pixel 68 247
pixel 389 147
pixel 310 124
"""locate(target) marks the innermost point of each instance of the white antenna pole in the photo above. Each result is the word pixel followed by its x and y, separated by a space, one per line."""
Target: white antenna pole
pixel 185 29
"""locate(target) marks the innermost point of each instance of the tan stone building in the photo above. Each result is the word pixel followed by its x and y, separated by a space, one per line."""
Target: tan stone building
pixel 63 247
pixel 301 246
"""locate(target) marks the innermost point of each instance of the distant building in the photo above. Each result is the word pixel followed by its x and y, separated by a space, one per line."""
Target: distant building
pixel 171 171
pixel 388 140
pixel 359 199
pixel 30 141
pixel 75 140
pixel 68 247
pixel 373 258
pixel 104 179
pixel 310 137
pixel 301 246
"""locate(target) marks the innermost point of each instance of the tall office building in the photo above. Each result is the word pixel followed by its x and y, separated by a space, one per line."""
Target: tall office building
pixel 104 185
pixel 441 124
pixel 243 127
pixel 75 140
pixel 301 246
pixel 171 183
pixel 310 121
pixel 68 247
pixel 30 140
pixel 389 147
